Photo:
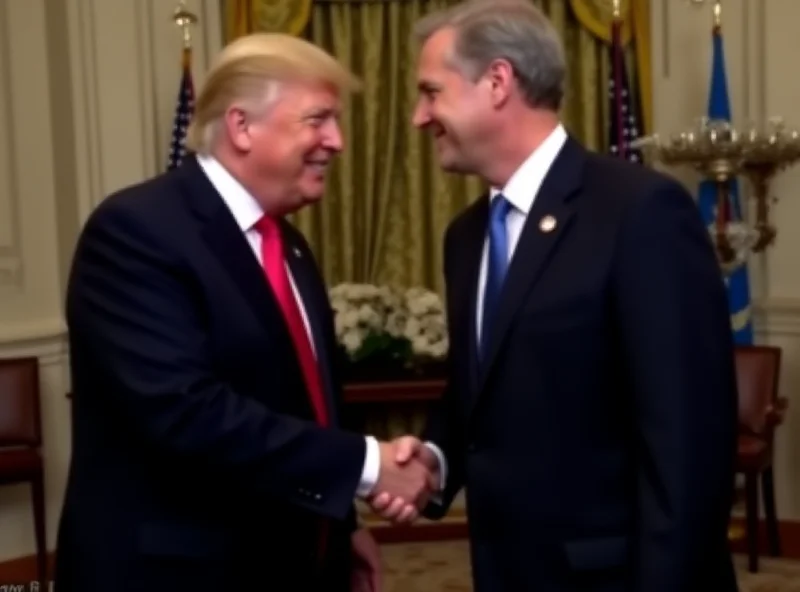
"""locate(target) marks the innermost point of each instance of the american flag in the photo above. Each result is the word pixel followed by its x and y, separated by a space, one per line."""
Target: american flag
pixel 183 114
pixel 624 126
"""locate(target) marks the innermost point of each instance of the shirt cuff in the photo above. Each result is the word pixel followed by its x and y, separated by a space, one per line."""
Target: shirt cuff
pixel 371 470
pixel 442 464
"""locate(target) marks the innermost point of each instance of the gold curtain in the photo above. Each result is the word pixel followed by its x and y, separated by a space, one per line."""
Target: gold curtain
pixel 388 202
pixel 284 16
pixel 585 104
pixel 238 18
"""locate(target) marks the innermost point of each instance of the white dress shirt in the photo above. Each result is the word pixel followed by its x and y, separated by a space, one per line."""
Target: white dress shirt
pixel 520 191
pixel 247 213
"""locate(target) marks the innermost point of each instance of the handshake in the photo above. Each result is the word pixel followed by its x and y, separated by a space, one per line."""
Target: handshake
pixel 410 475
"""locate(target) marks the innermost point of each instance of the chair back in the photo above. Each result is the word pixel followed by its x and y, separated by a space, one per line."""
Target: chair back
pixel 20 420
pixel 757 372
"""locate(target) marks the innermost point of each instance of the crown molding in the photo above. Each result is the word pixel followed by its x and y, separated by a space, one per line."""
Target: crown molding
pixel 777 316
pixel 45 339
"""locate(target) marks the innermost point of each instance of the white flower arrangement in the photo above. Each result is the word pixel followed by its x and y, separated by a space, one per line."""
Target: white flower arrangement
pixel 425 324
pixel 406 325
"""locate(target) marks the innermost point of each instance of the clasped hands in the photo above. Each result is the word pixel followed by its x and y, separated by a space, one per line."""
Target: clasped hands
pixel 409 476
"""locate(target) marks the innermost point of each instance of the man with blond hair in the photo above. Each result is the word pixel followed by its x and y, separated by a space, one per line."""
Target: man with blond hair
pixel 590 413
pixel 207 453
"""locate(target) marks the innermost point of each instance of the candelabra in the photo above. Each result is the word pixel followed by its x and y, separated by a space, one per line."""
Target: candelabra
pixel 720 153
pixel 767 154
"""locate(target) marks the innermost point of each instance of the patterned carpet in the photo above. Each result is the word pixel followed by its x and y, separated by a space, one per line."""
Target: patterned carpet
pixel 444 567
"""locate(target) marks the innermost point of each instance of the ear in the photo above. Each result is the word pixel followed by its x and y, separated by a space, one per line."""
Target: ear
pixel 237 127
pixel 500 75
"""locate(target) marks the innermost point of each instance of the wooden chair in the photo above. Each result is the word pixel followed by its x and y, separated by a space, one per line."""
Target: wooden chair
pixel 760 412
pixel 21 439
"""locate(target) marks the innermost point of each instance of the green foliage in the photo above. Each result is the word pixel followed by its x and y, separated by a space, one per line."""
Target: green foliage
pixel 384 347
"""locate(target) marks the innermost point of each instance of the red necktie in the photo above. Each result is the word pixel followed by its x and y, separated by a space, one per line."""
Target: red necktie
pixel 274 265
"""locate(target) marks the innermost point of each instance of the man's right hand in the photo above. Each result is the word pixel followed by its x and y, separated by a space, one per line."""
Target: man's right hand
pixel 408 477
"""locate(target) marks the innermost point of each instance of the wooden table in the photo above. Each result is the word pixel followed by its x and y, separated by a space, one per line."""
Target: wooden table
pixel 362 399
pixel 405 391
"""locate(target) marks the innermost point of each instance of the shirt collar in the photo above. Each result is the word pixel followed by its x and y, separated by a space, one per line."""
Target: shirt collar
pixel 240 202
pixel 524 184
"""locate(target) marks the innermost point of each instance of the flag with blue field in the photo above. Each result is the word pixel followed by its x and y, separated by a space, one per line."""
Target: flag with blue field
pixel 738 282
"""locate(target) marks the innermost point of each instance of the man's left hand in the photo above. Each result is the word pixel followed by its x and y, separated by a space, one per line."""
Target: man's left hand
pixel 367 572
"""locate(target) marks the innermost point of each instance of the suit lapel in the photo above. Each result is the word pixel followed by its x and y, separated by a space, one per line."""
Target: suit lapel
pixel 468 264
pixel 553 204
pixel 229 244
pixel 311 292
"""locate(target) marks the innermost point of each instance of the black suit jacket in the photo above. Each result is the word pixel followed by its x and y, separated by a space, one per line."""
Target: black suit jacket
pixel 196 462
pixel 597 440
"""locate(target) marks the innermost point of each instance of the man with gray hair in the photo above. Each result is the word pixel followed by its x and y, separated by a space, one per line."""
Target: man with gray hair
pixel 590 412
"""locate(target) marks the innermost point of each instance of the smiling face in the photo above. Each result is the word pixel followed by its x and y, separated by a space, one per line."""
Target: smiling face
pixel 289 148
pixel 458 112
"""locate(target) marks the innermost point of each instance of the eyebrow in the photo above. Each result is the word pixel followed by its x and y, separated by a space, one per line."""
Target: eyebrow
pixel 428 86
pixel 323 112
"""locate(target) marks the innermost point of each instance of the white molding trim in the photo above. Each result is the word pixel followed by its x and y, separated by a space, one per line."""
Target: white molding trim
pixel 212 16
pixel 10 261
pixel 86 110
pixel 146 51
pixel 777 316
pixel 22 335
pixel 45 340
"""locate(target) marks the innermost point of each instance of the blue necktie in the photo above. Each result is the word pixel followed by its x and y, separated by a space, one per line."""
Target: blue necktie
pixel 497 265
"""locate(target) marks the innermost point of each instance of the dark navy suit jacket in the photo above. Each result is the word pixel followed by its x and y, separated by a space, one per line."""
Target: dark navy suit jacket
pixel 596 441
pixel 196 462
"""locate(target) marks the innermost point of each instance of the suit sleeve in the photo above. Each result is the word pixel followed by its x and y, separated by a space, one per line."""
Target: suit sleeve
pixel 134 312
pixel 675 329
pixel 339 361
pixel 442 428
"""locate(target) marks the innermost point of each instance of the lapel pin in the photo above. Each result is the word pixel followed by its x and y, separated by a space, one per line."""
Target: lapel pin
pixel 297 252
pixel 547 224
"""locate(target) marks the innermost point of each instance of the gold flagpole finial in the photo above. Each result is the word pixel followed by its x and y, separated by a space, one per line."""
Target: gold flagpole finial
pixel 718 13
pixel 185 19
pixel 616 9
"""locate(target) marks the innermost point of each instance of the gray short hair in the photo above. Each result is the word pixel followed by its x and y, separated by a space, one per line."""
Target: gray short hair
pixel 514 30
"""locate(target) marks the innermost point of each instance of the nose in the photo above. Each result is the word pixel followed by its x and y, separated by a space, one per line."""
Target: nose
pixel 421 116
pixel 333 136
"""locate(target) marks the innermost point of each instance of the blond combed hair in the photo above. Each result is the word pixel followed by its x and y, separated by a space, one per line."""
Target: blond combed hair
pixel 249 71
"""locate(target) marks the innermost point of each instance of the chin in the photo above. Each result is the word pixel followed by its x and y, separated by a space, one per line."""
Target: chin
pixel 454 166
pixel 449 162
pixel 310 197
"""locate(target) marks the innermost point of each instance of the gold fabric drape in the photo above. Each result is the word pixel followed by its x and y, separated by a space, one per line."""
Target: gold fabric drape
pixel 585 104
pixel 388 203
pixel 238 18
pixel 284 16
